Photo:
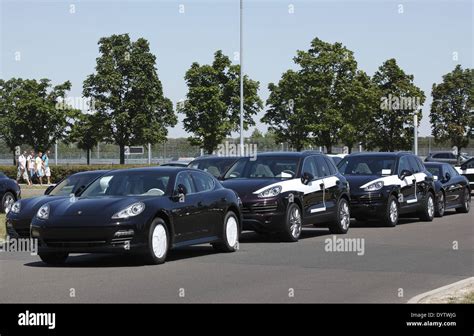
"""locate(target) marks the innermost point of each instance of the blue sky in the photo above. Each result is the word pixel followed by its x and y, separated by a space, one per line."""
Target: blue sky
pixel 60 45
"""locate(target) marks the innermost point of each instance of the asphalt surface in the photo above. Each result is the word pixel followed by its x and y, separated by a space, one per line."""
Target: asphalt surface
pixel 397 264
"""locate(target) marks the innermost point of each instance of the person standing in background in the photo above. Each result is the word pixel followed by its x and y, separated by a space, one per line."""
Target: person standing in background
pixel 39 167
pixel 47 170
pixel 22 170
pixel 30 162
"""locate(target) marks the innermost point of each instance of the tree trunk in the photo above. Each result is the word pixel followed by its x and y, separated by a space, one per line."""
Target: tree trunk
pixel 329 148
pixel 88 156
pixel 350 148
pixel 122 154
pixel 14 157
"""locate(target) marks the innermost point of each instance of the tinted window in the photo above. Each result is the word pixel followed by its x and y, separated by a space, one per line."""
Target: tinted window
pixel 441 156
pixel 203 182
pixel 71 184
pixel 215 167
pixel 367 165
pixel 335 159
pixel 435 171
pixel 309 166
pixel 404 164
pixel 264 167
pixel 470 164
pixel 331 165
pixel 184 178
pixel 323 168
pixel 415 168
pixel 129 183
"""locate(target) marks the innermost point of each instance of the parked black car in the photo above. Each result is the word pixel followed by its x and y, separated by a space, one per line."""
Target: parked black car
pixel 22 212
pixel 452 189
pixel 10 192
pixel 282 191
pixel 214 165
pixel 467 169
pixel 446 157
pixel 387 185
pixel 145 210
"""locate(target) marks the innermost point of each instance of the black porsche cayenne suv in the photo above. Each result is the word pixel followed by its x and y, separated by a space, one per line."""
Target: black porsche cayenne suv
pixel 282 191
pixel 385 185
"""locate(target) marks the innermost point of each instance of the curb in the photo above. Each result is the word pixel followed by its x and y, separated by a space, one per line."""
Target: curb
pixel 442 290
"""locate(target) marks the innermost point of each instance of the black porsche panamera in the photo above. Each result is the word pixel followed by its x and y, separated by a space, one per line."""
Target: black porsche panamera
pixel 141 210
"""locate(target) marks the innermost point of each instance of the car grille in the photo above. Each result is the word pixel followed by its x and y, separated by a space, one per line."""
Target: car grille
pixel 18 233
pixel 260 207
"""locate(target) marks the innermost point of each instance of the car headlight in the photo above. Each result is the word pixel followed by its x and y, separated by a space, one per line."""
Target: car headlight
pixel 270 192
pixel 16 207
pixel 43 212
pixel 374 186
pixel 132 210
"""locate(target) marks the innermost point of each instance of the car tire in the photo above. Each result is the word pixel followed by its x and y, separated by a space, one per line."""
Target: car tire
pixel 7 201
pixel 392 212
pixel 466 202
pixel 342 218
pixel 230 234
pixel 428 211
pixel 158 242
pixel 54 258
pixel 440 205
pixel 293 224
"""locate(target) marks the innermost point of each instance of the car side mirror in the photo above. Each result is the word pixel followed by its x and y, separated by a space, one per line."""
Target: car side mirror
pixel 463 167
pixel 405 173
pixel 306 178
pixel 49 189
pixel 79 190
pixel 447 177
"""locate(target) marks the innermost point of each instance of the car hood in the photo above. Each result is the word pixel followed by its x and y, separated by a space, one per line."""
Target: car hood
pixel 29 206
pixel 356 181
pixel 245 187
pixel 97 207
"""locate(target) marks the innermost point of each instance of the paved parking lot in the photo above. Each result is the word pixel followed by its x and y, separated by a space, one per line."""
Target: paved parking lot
pixel 398 263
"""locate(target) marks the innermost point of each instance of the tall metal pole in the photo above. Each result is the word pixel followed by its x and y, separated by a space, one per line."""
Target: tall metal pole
pixel 241 52
pixel 56 153
pixel 415 135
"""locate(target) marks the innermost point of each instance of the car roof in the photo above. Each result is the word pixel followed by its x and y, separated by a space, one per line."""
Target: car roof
pixel 91 172
pixel 395 154
pixel 215 157
pixel 167 169
pixel 434 163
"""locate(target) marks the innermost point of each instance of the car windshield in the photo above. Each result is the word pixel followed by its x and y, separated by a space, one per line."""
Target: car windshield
pixel 264 167
pixel 215 167
pixel 367 165
pixel 130 183
pixel 72 183
pixel 435 171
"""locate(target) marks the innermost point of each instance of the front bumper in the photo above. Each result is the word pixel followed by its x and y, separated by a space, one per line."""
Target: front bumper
pixel 265 215
pixel 18 227
pixel 366 204
pixel 91 239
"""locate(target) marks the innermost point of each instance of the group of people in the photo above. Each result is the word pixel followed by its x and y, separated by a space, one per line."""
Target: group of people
pixel 34 166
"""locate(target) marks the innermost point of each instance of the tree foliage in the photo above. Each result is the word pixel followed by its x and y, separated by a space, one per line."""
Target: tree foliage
pixel 127 93
pixel 453 99
pixel 212 105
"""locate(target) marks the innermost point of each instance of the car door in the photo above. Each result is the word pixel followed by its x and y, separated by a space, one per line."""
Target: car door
pixel 454 186
pixel 186 212
pixel 419 176
pixel 407 184
pixel 468 171
pixel 210 214
pixel 331 184
pixel 313 199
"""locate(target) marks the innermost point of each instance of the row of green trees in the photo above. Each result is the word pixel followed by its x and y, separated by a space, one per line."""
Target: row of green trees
pixel 326 100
